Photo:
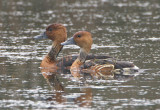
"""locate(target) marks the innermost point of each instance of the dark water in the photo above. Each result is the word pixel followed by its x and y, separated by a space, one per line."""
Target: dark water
pixel 125 29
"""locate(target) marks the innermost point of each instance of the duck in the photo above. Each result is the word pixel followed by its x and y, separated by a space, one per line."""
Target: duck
pixel 57 33
pixel 84 40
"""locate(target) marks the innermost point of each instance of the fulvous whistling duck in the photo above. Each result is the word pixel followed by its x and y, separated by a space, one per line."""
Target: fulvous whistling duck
pixel 83 39
pixel 58 34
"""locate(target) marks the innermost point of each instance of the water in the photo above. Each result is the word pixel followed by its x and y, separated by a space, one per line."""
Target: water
pixel 127 30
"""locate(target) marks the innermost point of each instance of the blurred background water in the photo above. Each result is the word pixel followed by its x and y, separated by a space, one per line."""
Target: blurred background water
pixel 125 29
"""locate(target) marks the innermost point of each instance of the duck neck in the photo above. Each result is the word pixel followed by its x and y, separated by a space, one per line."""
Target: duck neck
pixel 50 58
pixel 53 53
pixel 81 58
pixel 82 55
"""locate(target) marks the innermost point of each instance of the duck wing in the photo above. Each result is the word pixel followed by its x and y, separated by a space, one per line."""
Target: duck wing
pixel 122 65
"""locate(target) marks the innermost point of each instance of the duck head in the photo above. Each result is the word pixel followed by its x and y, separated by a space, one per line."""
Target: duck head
pixel 55 32
pixel 83 39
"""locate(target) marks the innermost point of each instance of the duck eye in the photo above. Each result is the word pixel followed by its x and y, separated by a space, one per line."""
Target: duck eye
pixel 50 29
pixel 79 36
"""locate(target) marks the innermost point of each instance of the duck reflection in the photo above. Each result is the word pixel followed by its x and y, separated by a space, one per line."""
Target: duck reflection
pixel 86 99
pixel 56 86
pixel 60 94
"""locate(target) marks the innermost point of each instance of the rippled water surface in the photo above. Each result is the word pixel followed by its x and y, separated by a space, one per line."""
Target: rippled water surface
pixel 125 29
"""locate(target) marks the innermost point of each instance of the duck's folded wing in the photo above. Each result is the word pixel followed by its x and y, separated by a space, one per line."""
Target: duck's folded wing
pixel 117 64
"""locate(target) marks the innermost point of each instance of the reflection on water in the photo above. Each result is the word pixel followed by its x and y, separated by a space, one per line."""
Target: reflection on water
pixel 124 29
pixel 62 97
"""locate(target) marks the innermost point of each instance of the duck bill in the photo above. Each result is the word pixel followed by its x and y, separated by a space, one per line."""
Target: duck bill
pixel 70 41
pixel 41 36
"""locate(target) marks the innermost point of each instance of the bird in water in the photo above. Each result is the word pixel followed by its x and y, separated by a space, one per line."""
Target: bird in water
pixel 57 33
pixel 83 39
